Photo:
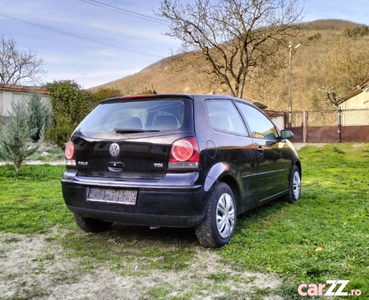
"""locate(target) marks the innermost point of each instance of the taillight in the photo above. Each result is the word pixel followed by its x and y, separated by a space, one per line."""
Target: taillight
pixel 69 151
pixel 184 154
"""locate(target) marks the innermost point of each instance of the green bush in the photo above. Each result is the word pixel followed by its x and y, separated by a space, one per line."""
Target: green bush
pixel 62 130
pixel 101 94
pixel 69 104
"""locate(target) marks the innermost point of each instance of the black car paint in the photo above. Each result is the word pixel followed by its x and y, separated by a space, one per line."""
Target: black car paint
pixel 245 161
pixel 252 167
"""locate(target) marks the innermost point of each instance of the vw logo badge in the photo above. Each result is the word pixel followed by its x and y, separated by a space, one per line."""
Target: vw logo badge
pixel 114 150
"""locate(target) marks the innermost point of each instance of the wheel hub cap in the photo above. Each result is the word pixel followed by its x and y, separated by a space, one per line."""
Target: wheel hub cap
pixel 225 216
pixel 296 185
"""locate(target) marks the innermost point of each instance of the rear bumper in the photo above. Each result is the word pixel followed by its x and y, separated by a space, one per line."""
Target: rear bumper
pixel 168 203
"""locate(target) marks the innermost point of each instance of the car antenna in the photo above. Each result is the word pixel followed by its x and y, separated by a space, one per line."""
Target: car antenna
pixel 153 90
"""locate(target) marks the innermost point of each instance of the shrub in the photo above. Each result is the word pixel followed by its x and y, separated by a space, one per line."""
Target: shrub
pixel 356 32
pixel 62 130
pixel 101 94
pixel 69 104
pixel 15 138
pixel 40 115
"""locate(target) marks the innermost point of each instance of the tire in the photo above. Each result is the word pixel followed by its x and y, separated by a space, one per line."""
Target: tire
pixel 219 223
pixel 294 191
pixel 91 225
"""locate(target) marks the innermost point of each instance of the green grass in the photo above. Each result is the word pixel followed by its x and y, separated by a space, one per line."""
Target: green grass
pixel 31 201
pixel 48 155
pixel 323 236
pixel 164 249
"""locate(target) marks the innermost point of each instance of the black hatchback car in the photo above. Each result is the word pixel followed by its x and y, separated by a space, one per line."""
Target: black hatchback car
pixel 177 161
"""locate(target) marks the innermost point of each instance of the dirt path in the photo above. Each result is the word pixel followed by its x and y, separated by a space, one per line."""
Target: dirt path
pixel 38 267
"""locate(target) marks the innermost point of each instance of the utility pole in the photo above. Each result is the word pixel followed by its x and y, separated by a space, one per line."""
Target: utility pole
pixel 290 84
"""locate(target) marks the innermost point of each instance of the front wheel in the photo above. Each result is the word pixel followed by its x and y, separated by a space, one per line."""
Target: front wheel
pixel 91 225
pixel 294 191
pixel 219 223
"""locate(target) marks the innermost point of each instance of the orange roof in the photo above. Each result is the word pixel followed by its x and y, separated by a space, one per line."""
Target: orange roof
pixel 23 89
pixel 364 83
pixel 354 91
pixel 273 113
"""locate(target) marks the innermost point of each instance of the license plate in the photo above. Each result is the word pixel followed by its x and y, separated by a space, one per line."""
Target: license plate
pixel 119 196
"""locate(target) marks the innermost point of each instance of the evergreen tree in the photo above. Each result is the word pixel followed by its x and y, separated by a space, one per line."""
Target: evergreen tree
pixel 40 115
pixel 15 137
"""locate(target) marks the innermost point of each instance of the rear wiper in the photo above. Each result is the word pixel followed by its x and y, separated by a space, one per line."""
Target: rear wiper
pixel 125 130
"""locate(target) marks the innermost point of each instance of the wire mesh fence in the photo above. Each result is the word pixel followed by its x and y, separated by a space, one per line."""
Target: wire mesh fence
pixel 351 125
pixel 348 117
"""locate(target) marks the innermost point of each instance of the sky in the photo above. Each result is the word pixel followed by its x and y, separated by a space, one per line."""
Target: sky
pixel 97 41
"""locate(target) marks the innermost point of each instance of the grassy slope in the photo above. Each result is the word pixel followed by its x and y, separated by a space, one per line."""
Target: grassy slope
pixel 181 74
pixel 323 236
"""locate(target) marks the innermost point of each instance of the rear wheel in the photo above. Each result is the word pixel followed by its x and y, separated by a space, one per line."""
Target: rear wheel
pixel 91 225
pixel 219 223
pixel 294 191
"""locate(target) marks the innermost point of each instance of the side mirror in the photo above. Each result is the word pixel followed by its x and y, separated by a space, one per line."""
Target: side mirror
pixel 286 134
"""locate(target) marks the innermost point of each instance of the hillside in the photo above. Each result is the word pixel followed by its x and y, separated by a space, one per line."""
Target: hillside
pixel 180 73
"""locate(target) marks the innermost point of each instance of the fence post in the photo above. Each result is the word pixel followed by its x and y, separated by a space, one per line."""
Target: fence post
pixel 339 123
pixel 304 126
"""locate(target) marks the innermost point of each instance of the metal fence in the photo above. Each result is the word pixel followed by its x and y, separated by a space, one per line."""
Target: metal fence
pixel 349 117
pixel 351 125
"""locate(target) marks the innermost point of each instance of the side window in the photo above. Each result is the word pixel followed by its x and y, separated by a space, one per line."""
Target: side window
pixel 223 116
pixel 259 124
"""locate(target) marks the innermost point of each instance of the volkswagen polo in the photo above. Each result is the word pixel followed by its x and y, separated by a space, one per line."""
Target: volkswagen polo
pixel 177 161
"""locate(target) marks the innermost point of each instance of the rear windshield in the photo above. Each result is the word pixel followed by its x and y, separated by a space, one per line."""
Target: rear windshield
pixel 138 117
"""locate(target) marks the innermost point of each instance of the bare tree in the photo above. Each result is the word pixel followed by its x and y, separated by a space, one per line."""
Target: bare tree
pixel 234 36
pixel 347 64
pixel 16 65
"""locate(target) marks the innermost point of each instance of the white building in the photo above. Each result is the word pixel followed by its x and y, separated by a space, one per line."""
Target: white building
pixel 9 93
pixel 356 105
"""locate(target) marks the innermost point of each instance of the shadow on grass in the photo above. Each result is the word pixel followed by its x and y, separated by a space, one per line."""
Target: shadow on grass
pixel 166 236
pixel 133 247
pixel 262 211
pixel 162 235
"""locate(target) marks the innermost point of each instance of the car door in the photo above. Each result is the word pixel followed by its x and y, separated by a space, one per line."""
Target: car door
pixel 233 146
pixel 273 160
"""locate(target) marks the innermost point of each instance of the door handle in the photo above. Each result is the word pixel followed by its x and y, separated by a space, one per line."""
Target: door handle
pixel 260 150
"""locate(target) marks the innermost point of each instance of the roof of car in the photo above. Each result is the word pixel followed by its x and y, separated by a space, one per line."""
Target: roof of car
pixel 191 96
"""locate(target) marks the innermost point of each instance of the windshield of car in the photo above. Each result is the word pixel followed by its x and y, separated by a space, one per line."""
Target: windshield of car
pixel 137 117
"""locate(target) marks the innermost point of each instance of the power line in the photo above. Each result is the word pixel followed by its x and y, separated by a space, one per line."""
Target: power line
pixel 126 11
pixel 80 37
